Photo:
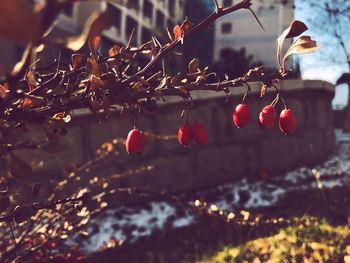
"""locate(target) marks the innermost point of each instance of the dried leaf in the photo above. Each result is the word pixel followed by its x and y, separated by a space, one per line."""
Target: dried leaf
pixel 77 60
pixel 295 29
pixel 303 45
pixel 27 103
pixel 193 66
pixel 115 50
pixel 96 83
pixel 4 91
pixel 186 25
pixel 92 67
pixel 263 90
pixel 31 80
pixel 177 32
pixel 19 22
pixel 94 44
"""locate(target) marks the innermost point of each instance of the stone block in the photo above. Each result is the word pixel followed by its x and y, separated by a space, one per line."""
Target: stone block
pixel 279 154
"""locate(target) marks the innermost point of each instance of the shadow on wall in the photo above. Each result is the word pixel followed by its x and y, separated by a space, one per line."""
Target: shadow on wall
pixel 231 153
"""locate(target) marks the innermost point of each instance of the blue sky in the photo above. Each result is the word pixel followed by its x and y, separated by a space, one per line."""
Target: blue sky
pixel 311 65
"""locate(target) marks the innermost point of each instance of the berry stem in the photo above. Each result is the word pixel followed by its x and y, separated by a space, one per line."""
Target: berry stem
pixel 280 96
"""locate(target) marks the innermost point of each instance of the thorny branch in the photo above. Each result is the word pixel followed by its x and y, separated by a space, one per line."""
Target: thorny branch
pixel 104 81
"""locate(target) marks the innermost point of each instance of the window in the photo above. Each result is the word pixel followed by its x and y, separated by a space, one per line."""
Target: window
pixel 171 25
pixel 227 3
pixel 181 3
pixel 226 28
pixel 116 16
pixel 171 7
pixel 130 25
pixel 133 4
pixel 146 35
pixel 148 9
pixel 160 19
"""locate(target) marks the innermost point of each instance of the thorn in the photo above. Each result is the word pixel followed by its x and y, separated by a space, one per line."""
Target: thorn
pixel 12 233
pixel 217 7
pixel 130 38
pixel 257 19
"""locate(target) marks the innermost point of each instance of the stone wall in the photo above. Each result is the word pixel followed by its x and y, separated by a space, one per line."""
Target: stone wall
pixel 231 153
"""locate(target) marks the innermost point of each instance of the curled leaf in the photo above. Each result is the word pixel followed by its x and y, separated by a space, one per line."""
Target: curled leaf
pixel 295 29
pixel 27 103
pixel 115 50
pixel 4 91
pixel 94 44
pixel 77 60
pixel 303 45
pixel 177 32
pixel 92 67
pixel 193 66
pixel 31 80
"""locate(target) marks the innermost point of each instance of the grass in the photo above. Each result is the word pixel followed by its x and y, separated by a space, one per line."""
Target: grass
pixel 312 243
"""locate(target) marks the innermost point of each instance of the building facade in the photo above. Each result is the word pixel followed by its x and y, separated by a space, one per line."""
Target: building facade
pixel 239 29
pixel 148 18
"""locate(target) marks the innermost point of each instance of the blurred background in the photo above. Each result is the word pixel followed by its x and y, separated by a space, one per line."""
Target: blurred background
pixel 302 176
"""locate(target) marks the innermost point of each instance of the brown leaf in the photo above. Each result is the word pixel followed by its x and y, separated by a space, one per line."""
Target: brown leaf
pixel 4 91
pixel 263 90
pixel 77 60
pixel 295 29
pixel 19 22
pixel 193 66
pixel 115 50
pixel 96 83
pixel 186 25
pixel 92 67
pixel 177 32
pixel 31 80
pixel 26 103
pixel 94 44
pixel 303 45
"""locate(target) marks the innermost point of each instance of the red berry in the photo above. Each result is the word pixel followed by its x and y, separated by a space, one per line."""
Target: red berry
pixel 241 115
pixel 135 142
pixel 267 117
pixel 185 135
pixel 287 121
pixel 200 134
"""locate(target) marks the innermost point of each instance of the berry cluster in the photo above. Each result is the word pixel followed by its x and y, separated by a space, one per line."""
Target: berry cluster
pixel 135 142
pixel 188 133
pixel 267 118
